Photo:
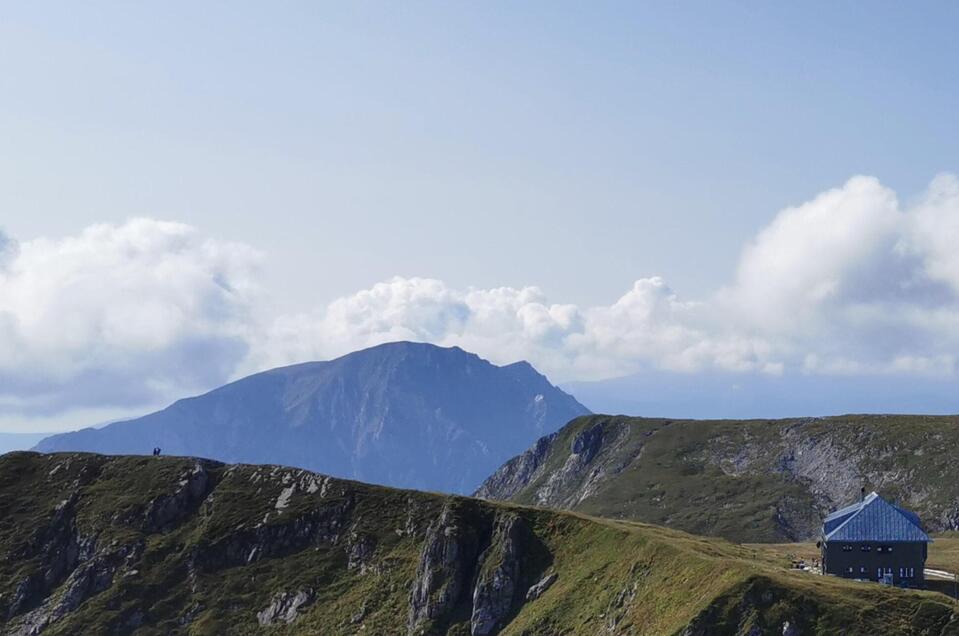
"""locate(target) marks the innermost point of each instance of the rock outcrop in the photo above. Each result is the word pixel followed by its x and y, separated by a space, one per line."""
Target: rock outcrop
pixel 166 510
pixel 285 607
pixel 537 589
pixel 464 566
pixel 443 573
pixel 498 581
pixel 516 474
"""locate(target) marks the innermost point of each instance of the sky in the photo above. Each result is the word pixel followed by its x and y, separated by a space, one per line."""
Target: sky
pixel 189 193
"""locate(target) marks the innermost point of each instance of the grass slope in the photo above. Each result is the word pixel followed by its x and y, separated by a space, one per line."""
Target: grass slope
pixel 159 561
pixel 750 481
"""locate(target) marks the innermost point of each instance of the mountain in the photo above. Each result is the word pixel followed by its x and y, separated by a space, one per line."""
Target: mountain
pixel 749 480
pixel 92 544
pixel 401 414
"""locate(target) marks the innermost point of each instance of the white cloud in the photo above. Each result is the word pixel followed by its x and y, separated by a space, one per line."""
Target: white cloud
pixel 816 255
pixel 850 282
pixel 646 326
pixel 120 315
pixel 934 231
pixel 855 280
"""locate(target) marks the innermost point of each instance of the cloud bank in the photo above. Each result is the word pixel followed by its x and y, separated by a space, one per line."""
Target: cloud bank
pixel 119 315
pixel 850 282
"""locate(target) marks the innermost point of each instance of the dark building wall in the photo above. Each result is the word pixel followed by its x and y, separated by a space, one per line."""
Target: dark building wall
pixel 866 560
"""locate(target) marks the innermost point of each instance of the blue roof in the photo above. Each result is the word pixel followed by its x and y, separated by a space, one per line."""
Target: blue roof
pixel 873 519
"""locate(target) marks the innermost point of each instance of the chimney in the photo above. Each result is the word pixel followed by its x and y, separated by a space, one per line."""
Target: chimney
pixel 862 494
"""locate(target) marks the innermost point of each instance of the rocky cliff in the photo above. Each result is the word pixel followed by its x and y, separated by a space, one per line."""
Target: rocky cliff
pixel 755 480
pixel 141 545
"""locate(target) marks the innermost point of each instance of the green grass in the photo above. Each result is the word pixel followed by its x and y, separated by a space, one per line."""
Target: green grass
pixel 190 578
pixel 727 478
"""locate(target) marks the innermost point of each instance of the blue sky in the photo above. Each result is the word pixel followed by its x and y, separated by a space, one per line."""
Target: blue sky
pixel 532 131
pixel 575 147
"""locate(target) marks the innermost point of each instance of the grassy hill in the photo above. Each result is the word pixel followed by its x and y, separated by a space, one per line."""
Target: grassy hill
pixel 750 481
pixel 97 544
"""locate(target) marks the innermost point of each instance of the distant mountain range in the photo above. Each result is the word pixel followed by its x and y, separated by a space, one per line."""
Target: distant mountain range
pixel 744 480
pixel 402 414
pixel 735 395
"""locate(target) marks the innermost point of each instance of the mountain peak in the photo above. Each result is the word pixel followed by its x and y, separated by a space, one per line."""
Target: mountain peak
pixel 407 414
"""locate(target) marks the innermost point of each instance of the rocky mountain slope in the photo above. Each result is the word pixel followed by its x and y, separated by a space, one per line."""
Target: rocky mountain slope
pixel 117 545
pixel 401 414
pixel 752 481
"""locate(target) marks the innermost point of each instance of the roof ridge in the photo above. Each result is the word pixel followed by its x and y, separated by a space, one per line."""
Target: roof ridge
pixel 852 508
pixel 867 503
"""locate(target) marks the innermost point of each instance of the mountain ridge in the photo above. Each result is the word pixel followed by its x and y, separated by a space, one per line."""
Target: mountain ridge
pixel 401 414
pixel 745 480
pixel 178 545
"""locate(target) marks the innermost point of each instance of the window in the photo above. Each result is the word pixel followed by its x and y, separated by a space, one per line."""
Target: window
pixel 847 548
pixel 865 548
pixel 862 570
pixel 850 569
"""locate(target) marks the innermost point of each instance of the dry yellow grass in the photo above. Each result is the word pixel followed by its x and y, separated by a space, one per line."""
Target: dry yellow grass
pixel 943 555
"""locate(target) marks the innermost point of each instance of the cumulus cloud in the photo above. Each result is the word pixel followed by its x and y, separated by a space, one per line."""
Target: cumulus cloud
pixel 933 234
pixel 120 315
pixel 816 255
pixel 648 325
pixel 850 282
pixel 854 282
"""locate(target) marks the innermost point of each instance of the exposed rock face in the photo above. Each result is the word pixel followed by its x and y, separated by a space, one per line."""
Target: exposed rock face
pixel 463 550
pixel 587 443
pixel 594 456
pixel 513 476
pixel 537 590
pixel 706 477
pixel 166 510
pixel 321 526
pixel 89 571
pixel 443 573
pixel 360 550
pixel 285 607
pixel 499 576
pixel 58 547
pixel 585 466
